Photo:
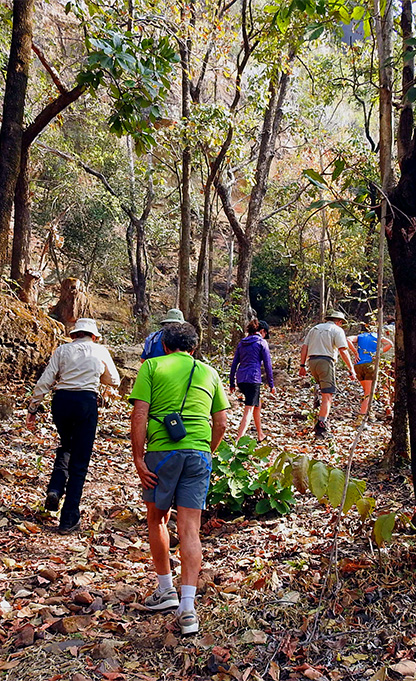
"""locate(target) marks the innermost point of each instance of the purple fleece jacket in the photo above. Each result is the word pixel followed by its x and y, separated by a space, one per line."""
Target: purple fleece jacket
pixel 250 353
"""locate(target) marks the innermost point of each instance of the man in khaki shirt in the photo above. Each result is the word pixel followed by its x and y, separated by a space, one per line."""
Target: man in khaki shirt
pixel 321 346
pixel 75 370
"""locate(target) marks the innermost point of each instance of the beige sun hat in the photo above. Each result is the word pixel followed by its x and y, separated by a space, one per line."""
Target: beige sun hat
pixel 87 325
pixel 335 314
pixel 173 315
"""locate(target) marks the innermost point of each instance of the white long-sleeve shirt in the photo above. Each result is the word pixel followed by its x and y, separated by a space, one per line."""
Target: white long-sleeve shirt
pixel 79 365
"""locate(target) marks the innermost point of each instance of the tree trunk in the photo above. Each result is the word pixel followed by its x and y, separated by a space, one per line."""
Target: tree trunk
pixel 196 307
pixel 13 110
pixel 401 229
pixel 210 290
pixel 398 448
pixel 185 236
pixel 270 128
pixel 22 221
pixel 136 248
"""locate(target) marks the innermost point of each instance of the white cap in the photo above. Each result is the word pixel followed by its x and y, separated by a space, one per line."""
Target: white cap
pixel 87 325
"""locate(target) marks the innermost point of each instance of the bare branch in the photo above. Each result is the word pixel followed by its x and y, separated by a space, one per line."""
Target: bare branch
pixel 50 69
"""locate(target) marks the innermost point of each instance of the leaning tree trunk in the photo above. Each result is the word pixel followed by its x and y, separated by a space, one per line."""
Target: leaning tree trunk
pixel 13 110
pixel 196 307
pixel 271 126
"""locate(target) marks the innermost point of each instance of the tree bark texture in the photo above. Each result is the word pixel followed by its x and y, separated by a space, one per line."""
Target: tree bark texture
pixel 384 32
pixel 22 221
pixel 13 109
pixel 405 130
pixel 185 236
pixel 398 447
pixel 271 125
pixel 403 257
pixel 136 248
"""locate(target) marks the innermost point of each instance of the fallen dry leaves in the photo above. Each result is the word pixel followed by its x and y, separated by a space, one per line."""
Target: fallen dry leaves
pixel 71 606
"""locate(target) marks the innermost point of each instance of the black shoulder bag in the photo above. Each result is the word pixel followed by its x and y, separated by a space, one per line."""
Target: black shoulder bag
pixel 173 421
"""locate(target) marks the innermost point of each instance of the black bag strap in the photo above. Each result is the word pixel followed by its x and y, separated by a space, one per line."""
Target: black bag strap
pixel 187 389
pixel 155 418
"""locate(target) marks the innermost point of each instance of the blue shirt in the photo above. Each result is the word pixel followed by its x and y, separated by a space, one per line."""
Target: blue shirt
pixel 366 346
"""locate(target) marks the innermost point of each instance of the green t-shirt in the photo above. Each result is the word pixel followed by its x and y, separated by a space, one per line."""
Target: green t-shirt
pixel 162 382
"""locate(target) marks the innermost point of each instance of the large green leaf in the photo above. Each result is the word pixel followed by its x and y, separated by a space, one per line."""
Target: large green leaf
pixel 263 452
pixel 411 94
pixel 315 178
pixel 318 479
pixel 336 484
pixel 383 528
pixel 300 467
pixel 358 13
pixel 339 167
pixel 263 506
pixel 365 507
pixel 277 467
pixel 355 491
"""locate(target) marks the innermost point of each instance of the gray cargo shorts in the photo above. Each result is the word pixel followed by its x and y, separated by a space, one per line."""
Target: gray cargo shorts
pixel 183 477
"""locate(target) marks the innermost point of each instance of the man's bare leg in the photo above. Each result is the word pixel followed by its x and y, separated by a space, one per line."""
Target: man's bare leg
pixel 157 521
pixel 325 408
pixel 366 386
pixel 189 522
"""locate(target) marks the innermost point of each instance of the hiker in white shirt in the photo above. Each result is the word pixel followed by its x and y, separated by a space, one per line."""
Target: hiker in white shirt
pixel 321 347
pixel 75 371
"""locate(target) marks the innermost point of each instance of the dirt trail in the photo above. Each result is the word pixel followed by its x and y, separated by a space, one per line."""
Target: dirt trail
pixel 72 605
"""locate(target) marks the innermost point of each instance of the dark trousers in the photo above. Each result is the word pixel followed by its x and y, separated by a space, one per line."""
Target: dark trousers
pixel 75 414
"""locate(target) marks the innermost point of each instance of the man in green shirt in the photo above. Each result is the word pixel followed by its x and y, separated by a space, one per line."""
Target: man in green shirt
pixel 176 471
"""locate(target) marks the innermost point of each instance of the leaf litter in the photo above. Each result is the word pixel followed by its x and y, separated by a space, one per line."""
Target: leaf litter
pixel 71 606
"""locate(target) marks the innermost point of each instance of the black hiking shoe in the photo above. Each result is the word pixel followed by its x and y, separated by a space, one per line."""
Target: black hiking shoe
pixel 63 529
pixel 52 501
pixel 322 432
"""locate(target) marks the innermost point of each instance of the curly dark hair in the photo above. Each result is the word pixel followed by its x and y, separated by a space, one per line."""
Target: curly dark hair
pixel 253 326
pixel 180 337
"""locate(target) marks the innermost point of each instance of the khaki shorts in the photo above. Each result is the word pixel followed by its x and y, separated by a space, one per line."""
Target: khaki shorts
pixel 323 371
pixel 365 372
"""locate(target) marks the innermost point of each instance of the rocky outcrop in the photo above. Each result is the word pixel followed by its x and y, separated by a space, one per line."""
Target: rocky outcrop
pixel 127 360
pixel 27 339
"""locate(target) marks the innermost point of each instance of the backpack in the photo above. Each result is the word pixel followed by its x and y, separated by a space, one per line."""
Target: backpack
pixel 153 345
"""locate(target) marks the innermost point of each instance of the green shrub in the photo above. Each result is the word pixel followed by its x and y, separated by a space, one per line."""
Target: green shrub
pixel 243 480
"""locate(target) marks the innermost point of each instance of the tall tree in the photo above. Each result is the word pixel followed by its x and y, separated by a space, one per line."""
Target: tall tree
pixel 13 111
pixel 400 210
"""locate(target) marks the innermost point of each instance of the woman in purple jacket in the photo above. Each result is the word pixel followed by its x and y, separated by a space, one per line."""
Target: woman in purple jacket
pixel 250 353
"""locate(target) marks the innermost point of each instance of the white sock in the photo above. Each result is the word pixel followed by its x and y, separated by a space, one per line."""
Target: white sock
pixel 165 581
pixel 187 598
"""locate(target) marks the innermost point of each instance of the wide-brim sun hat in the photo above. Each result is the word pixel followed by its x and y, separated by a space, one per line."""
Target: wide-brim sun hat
pixel 172 316
pixel 335 314
pixel 86 325
pixel 263 326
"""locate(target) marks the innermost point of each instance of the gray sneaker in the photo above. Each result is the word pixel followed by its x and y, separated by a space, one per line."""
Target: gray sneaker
pixel 162 600
pixel 188 622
